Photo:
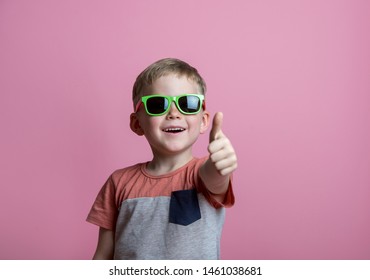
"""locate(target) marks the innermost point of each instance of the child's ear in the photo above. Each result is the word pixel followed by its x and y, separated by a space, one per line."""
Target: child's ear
pixel 135 125
pixel 205 122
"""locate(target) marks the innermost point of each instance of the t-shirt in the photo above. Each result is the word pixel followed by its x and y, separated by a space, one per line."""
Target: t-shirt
pixel 172 216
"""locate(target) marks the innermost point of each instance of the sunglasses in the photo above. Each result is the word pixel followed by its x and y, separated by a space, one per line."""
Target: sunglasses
pixel 158 105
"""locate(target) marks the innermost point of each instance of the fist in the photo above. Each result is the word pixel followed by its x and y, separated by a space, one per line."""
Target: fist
pixel 220 150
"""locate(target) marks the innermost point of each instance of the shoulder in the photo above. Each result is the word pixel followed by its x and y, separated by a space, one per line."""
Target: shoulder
pixel 127 172
pixel 196 163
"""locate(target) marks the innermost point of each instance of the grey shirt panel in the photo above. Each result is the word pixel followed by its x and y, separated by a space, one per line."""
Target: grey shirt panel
pixel 144 230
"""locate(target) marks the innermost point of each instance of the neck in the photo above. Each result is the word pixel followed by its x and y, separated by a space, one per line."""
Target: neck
pixel 163 164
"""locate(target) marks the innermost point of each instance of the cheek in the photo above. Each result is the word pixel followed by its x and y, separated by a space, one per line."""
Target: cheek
pixel 150 124
pixel 156 121
pixel 197 125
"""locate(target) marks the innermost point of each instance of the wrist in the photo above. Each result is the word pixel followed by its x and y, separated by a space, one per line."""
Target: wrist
pixel 212 179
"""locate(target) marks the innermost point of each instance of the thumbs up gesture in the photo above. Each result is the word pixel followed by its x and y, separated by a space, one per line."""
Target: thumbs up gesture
pixel 221 152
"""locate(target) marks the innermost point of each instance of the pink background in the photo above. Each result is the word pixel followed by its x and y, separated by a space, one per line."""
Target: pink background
pixel 292 78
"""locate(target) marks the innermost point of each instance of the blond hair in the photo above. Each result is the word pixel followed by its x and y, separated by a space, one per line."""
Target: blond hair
pixel 162 68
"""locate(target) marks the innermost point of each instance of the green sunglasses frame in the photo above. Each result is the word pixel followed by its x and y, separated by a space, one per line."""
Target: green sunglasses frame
pixel 170 99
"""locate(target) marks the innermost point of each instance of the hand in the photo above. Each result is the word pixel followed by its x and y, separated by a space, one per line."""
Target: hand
pixel 221 151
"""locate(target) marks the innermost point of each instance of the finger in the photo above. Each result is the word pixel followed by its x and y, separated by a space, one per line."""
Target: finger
pixel 228 170
pixel 226 166
pixel 221 155
pixel 219 144
pixel 216 131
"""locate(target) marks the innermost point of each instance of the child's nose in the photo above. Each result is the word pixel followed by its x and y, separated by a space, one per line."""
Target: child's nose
pixel 173 112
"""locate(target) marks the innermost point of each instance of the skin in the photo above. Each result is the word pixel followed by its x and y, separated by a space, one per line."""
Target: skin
pixel 173 150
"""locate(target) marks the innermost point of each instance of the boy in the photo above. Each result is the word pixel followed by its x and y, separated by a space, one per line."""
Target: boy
pixel 173 206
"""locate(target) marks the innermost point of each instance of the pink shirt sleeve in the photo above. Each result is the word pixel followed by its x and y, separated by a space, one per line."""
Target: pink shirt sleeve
pixel 104 211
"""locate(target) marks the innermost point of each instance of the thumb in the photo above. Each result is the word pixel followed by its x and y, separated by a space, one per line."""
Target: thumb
pixel 216 131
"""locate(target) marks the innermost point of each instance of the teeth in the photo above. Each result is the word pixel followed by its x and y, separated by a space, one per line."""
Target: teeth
pixel 174 129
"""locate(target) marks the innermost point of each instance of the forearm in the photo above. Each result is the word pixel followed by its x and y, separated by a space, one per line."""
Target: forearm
pixel 216 171
pixel 105 247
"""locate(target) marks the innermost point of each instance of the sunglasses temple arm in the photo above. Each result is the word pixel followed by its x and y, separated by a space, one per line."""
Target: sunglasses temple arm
pixel 138 106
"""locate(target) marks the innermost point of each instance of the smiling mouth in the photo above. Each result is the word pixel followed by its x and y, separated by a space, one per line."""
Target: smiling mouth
pixel 174 130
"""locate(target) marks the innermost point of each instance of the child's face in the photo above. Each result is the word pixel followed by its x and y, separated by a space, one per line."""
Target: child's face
pixel 156 128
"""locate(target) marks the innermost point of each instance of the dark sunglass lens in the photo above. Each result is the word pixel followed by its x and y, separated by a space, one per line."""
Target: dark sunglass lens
pixel 157 105
pixel 189 104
